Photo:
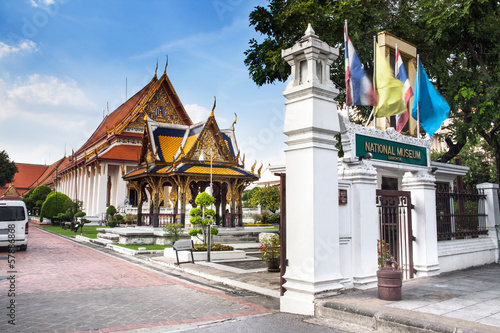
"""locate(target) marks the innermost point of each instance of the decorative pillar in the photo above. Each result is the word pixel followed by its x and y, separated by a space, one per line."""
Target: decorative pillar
pixel 422 186
pixel 311 122
pixel 102 189
pixel 491 209
pixel 364 227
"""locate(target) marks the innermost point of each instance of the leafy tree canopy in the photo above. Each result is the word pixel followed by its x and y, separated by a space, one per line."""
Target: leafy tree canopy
pixel 7 169
pixel 35 198
pixel 268 197
pixel 55 204
pixel 458 42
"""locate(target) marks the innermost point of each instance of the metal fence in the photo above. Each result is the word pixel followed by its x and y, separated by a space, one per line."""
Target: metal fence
pixel 460 214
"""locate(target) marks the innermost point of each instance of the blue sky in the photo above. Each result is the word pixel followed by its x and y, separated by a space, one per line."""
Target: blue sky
pixel 63 61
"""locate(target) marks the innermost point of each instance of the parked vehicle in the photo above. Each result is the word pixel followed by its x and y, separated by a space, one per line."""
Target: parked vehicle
pixel 13 224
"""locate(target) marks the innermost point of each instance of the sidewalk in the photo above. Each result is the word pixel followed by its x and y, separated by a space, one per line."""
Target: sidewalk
pixel 462 301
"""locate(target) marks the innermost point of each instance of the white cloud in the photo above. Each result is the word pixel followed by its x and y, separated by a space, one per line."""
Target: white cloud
pixel 42 3
pixel 26 46
pixel 49 90
pixel 197 113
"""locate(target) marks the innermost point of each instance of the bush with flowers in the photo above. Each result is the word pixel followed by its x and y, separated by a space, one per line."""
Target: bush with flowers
pixel 383 252
pixel 270 247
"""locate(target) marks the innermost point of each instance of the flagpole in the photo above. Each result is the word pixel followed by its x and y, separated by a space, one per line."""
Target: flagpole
pixel 373 79
pixel 345 47
pixel 418 102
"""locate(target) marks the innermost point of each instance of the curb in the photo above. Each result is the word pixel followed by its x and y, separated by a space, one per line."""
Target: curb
pixel 381 321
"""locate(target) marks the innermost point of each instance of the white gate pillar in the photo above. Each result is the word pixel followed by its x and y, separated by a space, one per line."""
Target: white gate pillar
pixel 422 186
pixel 491 209
pixel 311 121
pixel 364 227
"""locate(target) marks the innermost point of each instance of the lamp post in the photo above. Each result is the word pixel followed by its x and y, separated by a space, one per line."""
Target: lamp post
pixel 209 231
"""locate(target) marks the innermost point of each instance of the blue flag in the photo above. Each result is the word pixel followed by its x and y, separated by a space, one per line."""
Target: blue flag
pixel 433 107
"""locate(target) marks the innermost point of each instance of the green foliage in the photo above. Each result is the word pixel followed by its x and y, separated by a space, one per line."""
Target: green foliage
pixel 111 210
pixel 35 198
pixel 54 204
pixel 383 252
pixel 7 169
pixel 174 231
pixel 80 214
pixel 118 218
pixel 270 247
pixel 257 217
pixel 195 232
pixel 268 197
pixel 111 223
pixel 90 231
pixel 274 218
pixel 204 199
pixel 198 216
pixel 247 195
pixel 457 42
pixel 265 216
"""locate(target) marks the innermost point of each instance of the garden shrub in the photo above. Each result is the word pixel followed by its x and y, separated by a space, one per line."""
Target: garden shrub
pixel 174 230
pixel 257 217
pixel 214 247
pixel 274 218
pixel 49 208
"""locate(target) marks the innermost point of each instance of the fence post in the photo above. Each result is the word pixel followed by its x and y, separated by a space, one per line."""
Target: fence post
pixel 491 207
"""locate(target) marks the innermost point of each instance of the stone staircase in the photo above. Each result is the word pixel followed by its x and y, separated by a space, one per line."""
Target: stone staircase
pixel 105 239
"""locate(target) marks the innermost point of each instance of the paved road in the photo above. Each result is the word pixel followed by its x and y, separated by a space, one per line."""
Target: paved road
pixel 62 286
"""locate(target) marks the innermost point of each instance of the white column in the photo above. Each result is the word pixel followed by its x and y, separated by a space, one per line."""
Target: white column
pixel 364 227
pixel 90 189
pixel 491 209
pixel 95 192
pixel 102 189
pixel 311 122
pixel 422 186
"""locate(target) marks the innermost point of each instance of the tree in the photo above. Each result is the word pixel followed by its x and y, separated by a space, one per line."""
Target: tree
pixel 268 197
pixel 35 198
pixel 199 216
pixel 7 169
pixel 464 66
pixel 55 204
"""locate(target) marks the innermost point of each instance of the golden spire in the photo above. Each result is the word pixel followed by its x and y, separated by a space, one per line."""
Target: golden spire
pixel 156 68
pixel 235 119
pixel 253 167
pixel 212 113
pixel 166 64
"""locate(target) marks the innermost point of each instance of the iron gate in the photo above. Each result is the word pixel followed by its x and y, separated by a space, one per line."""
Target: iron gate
pixel 395 231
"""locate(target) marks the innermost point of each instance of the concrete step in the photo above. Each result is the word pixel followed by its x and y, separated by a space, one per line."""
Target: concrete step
pixel 101 241
pixel 111 237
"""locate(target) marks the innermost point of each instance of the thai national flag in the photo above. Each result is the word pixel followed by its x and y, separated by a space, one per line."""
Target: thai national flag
pixel 400 73
pixel 359 89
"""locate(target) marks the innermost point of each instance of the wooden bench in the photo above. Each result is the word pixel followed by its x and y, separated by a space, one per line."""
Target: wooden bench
pixel 183 245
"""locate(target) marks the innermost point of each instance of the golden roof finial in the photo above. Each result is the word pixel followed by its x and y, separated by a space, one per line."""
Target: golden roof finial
pixel 145 117
pixel 156 70
pixel 253 167
pixel 235 119
pixel 212 113
pixel 238 156
pixel 123 170
pixel 173 159
pixel 243 161
pixel 166 64
pixel 258 171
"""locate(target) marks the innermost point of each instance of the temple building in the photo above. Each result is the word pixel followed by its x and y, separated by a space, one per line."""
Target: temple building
pixel 148 153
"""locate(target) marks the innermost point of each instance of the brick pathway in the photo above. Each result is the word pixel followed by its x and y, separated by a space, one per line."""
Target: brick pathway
pixel 62 286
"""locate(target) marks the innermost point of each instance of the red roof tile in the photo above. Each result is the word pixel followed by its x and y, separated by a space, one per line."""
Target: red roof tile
pixel 124 153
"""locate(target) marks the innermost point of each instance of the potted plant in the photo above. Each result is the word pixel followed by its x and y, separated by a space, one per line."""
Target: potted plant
pixel 270 252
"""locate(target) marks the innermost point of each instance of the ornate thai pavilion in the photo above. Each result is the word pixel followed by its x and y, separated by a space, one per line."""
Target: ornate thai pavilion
pixel 147 153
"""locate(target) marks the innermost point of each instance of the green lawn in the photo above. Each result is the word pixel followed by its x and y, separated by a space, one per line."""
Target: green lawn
pixel 148 247
pixel 89 231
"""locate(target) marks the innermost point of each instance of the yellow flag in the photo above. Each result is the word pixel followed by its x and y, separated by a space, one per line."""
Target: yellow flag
pixel 389 89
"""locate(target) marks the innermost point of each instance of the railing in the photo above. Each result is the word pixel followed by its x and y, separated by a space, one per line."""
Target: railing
pixel 460 214
pixel 163 219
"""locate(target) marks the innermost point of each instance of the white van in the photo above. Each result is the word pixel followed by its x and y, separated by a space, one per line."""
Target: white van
pixel 13 224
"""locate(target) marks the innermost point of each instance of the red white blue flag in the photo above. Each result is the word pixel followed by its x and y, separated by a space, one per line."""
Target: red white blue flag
pixel 400 73
pixel 359 89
